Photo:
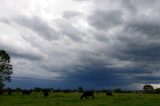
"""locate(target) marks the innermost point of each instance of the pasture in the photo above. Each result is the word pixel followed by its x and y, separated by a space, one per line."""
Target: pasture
pixel 73 99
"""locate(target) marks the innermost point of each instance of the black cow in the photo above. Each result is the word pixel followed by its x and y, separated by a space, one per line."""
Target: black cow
pixel 9 91
pixel 109 93
pixel 26 92
pixel 1 91
pixel 87 93
pixel 46 92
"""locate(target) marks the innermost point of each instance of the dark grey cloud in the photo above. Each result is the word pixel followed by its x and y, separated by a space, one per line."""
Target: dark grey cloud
pixel 29 56
pixel 100 36
pixel 67 29
pixel 37 25
pixel 150 28
pixel 105 19
pixel 136 6
pixel 94 74
pixel 21 53
pixel 136 42
pixel 31 83
pixel 114 44
pixel 72 33
pixel 128 4
pixel 140 40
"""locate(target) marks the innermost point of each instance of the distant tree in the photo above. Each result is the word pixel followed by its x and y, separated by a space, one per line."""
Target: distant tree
pixel 1 84
pixel 38 89
pixel 157 90
pixel 5 68
pixel 18 89
pixel 66 90
pixel 80 89
pixel 103 90
pixel 57 90
pixel 118 90
pixel 9 91
pixel 148 89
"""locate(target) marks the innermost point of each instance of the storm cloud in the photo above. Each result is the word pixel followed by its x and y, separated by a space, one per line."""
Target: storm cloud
pixel 89 43
pixel 38 26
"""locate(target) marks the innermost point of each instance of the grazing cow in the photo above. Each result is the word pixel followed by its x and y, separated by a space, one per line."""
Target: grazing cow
pixel 9 91
pixel 46 92
pixel 1 91
pixel 87 93
pixel 109 94
pixel 26 92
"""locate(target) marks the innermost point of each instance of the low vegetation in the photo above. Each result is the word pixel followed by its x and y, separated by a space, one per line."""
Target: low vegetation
pixel 73 99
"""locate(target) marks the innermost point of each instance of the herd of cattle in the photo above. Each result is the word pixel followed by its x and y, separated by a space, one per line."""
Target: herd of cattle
pixel 91 93
pixel 85 94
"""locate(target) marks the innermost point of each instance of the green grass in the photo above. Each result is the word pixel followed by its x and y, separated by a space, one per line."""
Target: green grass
pixel 73 99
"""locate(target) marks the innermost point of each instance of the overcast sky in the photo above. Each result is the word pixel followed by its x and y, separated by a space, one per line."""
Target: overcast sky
pixel 88 43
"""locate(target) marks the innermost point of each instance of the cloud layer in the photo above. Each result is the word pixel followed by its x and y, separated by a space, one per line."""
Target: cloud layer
pixel 95 44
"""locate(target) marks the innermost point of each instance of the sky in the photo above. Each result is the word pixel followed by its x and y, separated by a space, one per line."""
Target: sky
pixel 90 43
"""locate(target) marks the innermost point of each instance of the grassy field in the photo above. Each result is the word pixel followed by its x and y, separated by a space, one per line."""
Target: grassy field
pixel 73 99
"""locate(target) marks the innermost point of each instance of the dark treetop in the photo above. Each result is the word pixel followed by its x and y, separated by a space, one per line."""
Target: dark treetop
pixel 5 67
